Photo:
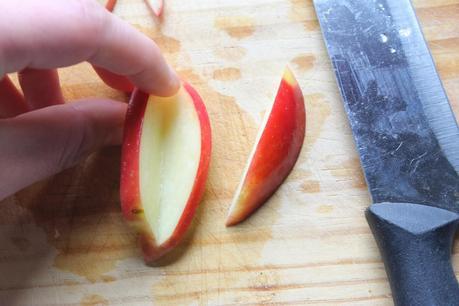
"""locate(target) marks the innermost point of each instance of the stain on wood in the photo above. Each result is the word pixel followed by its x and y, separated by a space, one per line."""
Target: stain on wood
pixel 63 241
pixel 303 12
pixel 325 209
pixel 231 53
pixel 349 174
pixel 227 74
pixel 317 112
pixel 82 205
pixel 94 300
pixel 212 243
pixel 310 186
pixel 238 27
pixel 304 62
pixel 167 44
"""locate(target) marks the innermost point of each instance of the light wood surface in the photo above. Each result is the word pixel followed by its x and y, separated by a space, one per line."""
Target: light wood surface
pixel 63 241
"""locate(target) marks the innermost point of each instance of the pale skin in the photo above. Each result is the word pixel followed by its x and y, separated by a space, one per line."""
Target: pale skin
pixel 50 135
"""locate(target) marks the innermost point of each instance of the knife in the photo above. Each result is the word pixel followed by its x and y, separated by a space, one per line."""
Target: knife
pixel 407 138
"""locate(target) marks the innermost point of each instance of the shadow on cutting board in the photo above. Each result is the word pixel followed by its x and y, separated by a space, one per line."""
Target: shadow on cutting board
pixel 79 212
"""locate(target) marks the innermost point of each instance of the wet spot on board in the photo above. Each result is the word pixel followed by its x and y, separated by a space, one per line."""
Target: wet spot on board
pixel 218 264
pixel 236 26
pixel 69 282
pixel 108 278
pixel 303 12
pixel 169 46
pixel 325 209
pixel 232 53
pixel 79 211
pixel 94 300
pixel 348 174
pixel 227 74
pixel 446 55
pixel 217 258
pixel 304 62
pixel 265 285
pixel 299 174
pixel 310 186
pixel 317 111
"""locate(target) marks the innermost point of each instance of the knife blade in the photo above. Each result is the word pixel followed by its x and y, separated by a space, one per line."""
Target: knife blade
pixel 407 138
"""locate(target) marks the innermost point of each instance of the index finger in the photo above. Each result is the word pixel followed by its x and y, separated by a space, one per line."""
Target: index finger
pixel 53 33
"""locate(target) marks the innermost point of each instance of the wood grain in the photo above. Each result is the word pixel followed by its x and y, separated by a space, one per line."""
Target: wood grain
pixel 63 241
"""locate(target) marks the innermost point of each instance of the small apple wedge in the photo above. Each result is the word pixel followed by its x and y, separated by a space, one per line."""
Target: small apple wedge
pixel 165 161
pixel 156 6
pixel 110 5
pixel 277 148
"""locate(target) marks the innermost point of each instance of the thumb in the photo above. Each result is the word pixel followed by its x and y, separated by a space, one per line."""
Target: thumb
pixel 44 142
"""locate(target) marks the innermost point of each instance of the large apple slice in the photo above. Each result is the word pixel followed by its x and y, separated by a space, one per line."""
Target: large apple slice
pixel 277 148
pixel 165 161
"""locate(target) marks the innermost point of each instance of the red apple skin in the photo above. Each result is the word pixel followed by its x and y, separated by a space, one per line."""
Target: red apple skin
pixel 110 5
pixel 277 151
pixel 130 192
pixel 12 101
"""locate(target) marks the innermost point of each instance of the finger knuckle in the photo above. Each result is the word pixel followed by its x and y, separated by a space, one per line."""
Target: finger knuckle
pixel 93 18
pixel 79 141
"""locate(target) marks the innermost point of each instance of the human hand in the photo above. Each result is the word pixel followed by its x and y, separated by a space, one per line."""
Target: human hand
pixel 39 134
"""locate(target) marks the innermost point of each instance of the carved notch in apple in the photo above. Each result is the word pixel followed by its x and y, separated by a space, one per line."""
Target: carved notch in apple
pixel 165 161
pixel 156 6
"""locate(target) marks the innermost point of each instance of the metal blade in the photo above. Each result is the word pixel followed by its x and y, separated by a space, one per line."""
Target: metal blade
pixel 403 125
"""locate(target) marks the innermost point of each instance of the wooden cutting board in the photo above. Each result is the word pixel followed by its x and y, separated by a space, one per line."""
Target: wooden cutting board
pixel 63 241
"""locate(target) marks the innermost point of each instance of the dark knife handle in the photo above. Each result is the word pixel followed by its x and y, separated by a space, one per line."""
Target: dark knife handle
pixel 415 242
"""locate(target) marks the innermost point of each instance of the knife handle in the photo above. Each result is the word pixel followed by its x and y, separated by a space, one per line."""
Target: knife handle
pixel 415 242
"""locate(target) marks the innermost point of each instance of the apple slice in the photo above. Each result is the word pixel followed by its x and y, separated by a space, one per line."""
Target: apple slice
pixel 110 5
pixel 277 148
pixel 165 161
pixel 156 6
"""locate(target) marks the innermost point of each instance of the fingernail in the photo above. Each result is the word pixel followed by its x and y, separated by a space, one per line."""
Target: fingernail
pixel 174 81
